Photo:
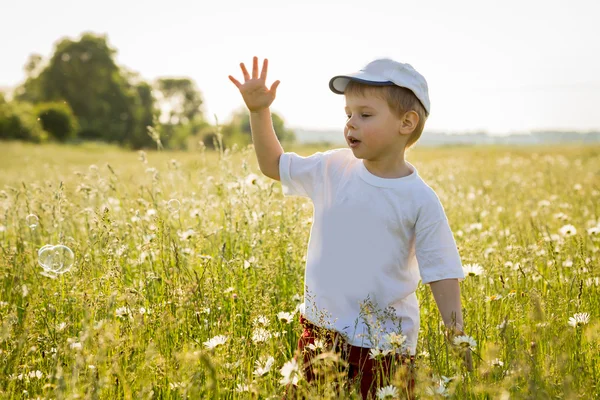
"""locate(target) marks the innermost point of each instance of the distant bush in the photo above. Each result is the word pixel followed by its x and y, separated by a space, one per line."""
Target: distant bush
pixel 19 121
pixel 58 120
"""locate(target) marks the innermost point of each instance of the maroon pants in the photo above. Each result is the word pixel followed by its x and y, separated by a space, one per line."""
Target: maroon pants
pixel 372 374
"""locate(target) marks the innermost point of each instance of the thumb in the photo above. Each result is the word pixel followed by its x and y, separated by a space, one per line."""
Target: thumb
pixel 274 87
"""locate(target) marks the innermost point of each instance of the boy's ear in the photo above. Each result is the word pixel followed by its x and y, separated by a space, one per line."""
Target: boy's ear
pixel 409 122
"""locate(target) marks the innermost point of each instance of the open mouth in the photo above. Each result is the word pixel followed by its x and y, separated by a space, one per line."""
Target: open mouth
pixel 353 141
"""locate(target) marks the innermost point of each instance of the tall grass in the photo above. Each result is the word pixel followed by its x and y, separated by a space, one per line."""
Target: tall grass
pixel 166 303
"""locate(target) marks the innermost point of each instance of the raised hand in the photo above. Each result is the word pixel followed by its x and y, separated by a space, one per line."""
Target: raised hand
pixel 254 90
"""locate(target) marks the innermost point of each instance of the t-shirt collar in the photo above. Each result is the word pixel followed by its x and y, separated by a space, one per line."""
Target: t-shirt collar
pixel 386 182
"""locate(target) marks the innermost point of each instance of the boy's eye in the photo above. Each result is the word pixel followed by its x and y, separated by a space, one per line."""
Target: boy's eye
pixel 365 115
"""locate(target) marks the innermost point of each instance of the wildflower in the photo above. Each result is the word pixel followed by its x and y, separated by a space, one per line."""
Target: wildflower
pixel 376 353
pixel 285 316
pixel 465 341
pixel 568 230
pixel 387 391
pixel 438 389
pixel 493 297
pixel 318 344
pixel 593 231
pixel 251 179
pixel 36 374
pixel 396 340
pixel 261 319
pixel 242 388
pixel 290 372
pixel 76 345
pixel 123 312
pixel 496 362
pixel 579 319
pixel 472 269
pixel 185 235
pixel 261 335
pixel 567 263
pixel 215 341
pixel 296 297
pixel 263 366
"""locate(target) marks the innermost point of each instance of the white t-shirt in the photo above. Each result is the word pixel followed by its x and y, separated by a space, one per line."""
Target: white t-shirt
pixel 372 238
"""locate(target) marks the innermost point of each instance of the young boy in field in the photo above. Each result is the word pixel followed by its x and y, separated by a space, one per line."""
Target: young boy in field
pixel 377 228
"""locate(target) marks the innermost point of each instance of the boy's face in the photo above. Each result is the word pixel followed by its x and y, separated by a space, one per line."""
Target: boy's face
pixel 372 123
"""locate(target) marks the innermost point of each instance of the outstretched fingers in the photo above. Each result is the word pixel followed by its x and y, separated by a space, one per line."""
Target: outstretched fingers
pixel 255 68
pixel 245 72
pixel 274 87
pixel 235 81
pixel 265 67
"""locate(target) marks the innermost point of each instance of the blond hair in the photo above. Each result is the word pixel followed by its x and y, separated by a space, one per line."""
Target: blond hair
pixel 399 99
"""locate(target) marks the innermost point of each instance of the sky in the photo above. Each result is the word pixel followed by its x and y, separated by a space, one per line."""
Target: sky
pixel 496 66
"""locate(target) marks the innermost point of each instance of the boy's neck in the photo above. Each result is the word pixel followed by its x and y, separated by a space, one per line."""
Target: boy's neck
pixel 389 169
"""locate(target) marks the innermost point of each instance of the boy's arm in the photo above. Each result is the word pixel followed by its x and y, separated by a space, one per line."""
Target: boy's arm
pixel 267 147
pixel 258 99
pixel 447 296
pixel 446 293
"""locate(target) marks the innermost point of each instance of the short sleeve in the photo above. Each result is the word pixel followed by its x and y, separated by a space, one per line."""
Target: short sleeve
pixel 301 176
pixel 436 251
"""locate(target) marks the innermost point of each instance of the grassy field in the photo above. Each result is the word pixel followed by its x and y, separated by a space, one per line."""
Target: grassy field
pixel 186 265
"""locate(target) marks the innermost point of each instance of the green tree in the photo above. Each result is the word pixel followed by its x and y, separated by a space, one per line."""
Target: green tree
pixel 179 99
pixel 238 129
pixel 18 121
pixel 84 74
pixel 58 120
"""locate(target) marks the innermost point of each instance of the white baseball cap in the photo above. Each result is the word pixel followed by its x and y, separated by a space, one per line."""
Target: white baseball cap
pixel 386 72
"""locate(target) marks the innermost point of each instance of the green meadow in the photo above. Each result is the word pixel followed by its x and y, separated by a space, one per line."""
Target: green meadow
pixel 187 271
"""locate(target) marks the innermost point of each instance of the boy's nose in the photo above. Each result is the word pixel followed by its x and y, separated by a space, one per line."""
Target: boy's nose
pixel 350 123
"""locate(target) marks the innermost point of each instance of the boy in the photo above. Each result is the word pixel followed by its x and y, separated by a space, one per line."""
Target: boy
pixel 378 228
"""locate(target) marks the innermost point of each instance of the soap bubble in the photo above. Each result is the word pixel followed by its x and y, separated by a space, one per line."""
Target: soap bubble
pixel 173 205
pixel 56 259
pixel 32 220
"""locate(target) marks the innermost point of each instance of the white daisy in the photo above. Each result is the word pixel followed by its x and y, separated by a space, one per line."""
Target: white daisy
pixel 396 340
pixel 262 320
pixel 387 392
pixel 472 269
pixel 242 388
pixel 568 230
pixel 261 335
pixel 123 312
pixel 263 366
pixel 285 316
pixel 579 319
pixel 593 231
pixel 496 362
pixel 215 341
pixel 319 344
pixel 465 341
pixel 493 297
pixel 290 372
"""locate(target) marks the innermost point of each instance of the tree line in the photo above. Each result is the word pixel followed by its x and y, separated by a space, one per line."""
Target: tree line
pixel 80 93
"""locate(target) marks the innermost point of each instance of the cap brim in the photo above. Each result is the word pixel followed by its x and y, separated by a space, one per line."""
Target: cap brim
pixel 338 84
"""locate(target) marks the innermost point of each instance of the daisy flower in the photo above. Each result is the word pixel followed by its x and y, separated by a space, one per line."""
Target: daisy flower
pixel 319 344
pixel 263 366
pixel 285 316
pixel 472 269
pixel 387 392
pixel 290 373
pixel 215 341
pixel 579 319
pixel 261 335
pixel 262 320
pixel 465 341
pixel 396 340
pixel 568 230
